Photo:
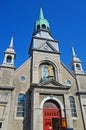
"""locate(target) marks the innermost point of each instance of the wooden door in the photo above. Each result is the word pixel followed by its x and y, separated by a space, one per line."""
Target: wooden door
pixel 51 119
pixel 56 124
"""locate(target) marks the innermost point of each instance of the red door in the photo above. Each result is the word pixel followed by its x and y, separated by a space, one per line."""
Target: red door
pixel 51 118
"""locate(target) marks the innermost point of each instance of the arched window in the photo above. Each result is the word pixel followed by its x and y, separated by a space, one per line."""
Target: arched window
pixel 20 105
pixel 46 72
pixel 9 59
pixel 78 67
pixel 73 107
pixel 51 104
pixel 73 67
pixel 47 28
pixel 38 27
pixel 43 26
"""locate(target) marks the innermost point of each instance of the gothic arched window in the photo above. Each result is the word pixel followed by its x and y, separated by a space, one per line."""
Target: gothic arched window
pixel 73 107
pixel 46 72
pixel 20 105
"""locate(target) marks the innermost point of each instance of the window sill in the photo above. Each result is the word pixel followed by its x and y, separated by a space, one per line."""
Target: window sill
pixel 19 118
pixel 74 118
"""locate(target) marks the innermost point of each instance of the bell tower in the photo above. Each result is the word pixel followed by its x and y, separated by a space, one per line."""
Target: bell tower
pixel 7 68
pixel 42 39
pixel 9 56
pixel 44 51
pixel 76 64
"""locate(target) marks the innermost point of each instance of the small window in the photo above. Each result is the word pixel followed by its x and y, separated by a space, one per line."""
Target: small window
pixel 47 28
pixel 20 105
pixel 22 78
pixel 43 26
pixel 68 82
pixel 73 67
pixel 38 27
pixel 9 59
pixel 0 124
pixel 78 67
pixel 73 107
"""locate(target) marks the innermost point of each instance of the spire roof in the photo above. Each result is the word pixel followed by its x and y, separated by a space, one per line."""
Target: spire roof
pixel 75 58
pixel 76 64
pixel 42 23
pixel 11 42
pixel 9 55
pixel 10 49
pixel 41 15
pixel 73 52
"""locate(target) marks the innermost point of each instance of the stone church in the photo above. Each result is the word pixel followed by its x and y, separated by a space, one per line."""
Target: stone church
pixel 42 94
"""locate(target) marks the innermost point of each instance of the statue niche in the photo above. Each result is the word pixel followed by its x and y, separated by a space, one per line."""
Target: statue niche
pixel 47 72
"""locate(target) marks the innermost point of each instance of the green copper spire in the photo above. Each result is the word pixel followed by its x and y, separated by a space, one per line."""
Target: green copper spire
pixel 42 23
pixel 41 16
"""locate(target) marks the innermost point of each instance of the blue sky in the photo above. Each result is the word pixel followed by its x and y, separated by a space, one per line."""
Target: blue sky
pixel 67 20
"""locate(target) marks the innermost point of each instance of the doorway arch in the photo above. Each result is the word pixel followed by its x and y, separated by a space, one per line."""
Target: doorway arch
pixel 55 99
pixel 53 111
pixel 51 115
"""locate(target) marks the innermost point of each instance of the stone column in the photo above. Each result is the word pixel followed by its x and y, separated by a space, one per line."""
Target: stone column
pixel 68 112
pixel 35 111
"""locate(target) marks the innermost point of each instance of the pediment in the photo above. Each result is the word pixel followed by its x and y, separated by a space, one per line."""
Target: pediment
pixel 46 46
pixel 52 83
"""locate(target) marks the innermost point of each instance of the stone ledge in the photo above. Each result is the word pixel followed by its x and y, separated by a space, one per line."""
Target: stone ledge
pixel 7 88
pixel 83 93
pixel 2 119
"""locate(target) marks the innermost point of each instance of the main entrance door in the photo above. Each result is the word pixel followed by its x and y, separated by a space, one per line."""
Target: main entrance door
pixel 51 116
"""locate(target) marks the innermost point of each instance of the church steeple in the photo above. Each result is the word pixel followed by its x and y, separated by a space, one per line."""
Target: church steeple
pixel 42 39
pixel 76 64
pixel 41 23
pixel 9 55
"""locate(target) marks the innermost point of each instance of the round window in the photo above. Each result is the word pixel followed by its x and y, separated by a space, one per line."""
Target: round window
pixel 22 78
pixel 68 82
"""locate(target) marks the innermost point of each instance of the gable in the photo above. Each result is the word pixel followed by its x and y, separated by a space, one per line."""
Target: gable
pixel 46 46
pixel 21 78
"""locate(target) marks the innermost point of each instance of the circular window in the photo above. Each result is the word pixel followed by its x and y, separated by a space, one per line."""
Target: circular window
pixel 22 78
pixel 68 82
pixel 46 47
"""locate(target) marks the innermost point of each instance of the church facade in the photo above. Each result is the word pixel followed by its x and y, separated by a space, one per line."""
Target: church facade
pixel 42 93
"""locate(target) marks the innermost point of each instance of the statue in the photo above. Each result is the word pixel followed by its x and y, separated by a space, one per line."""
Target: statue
pixel 50 70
